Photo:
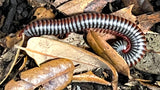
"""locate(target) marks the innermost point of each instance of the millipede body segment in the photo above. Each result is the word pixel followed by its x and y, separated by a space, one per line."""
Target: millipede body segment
pixel 132 52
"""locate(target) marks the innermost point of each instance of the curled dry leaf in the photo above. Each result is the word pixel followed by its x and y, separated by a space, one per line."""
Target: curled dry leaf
pixel 89 77
pixel 43 13
pixel 55 74
pixel 44 49
pixel 102 48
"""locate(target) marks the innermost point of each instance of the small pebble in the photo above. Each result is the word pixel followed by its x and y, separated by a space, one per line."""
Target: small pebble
pixel 24 14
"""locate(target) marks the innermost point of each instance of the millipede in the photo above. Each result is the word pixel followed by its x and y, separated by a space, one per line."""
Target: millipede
pixel 134 38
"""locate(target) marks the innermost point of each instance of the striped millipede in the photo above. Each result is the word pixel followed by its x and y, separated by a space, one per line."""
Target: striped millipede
pixel 130 32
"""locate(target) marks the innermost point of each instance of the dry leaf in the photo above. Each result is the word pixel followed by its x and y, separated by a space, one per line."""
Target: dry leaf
pixel 140 6
pixel 97 5
pixel 55 74
pixel 50 48
pixel 18 85
pixel 79 6
pixel 142 80
pixel 102 48
pixel 57 3
pixel 150 86
pixel 74 6
pixel 44 49
pixel 147 21
pixel 126 13
pixel 89 77
pixel 146 83
pixel 43 13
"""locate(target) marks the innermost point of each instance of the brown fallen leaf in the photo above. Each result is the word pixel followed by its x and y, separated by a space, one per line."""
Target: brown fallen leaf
pixel 140 6
pixel 45 49
pixel 144 21
pixel 43 13
pixel 18 85
pixel 150 86
pixel 75 6
pixel 56 3
pixel 102 48
pixel 147 21
pixel 142 80
pixel 55 74
pixel 97 5
pixel 126 13
pixel 89 77
pixel 79 6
